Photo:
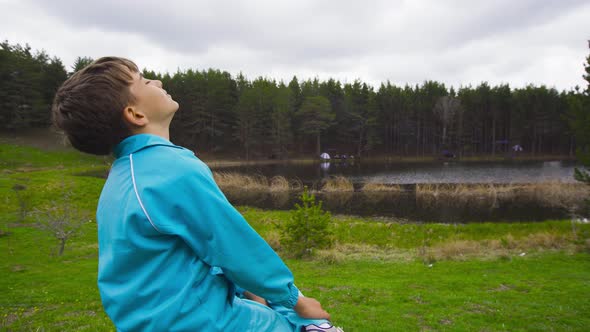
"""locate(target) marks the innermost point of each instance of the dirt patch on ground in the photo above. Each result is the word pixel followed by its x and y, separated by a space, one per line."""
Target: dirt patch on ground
pixel 17 315
pixel 42 138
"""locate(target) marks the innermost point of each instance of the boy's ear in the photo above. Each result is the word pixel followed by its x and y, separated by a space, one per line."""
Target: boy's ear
pixel 134 117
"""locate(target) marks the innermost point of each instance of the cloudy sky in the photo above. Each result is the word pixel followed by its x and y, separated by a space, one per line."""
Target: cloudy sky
pixel 457 42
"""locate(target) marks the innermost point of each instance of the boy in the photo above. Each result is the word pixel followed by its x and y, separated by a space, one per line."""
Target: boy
pixel 172 249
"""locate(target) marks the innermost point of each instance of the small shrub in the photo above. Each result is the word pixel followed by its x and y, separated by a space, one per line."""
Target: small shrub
pixel 61 219
pixel 424 250
pixel 307 228
pixel 23 196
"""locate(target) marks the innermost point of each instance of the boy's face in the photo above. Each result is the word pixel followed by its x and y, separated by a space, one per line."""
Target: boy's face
pixel 152 100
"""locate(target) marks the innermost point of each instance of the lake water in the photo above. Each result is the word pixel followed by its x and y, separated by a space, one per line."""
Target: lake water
pixel 406 205
pixel 412 173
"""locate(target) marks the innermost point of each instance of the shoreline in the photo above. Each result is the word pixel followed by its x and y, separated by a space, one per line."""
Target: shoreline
pixel 49 140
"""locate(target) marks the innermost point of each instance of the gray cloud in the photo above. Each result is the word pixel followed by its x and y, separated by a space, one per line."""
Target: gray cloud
pixel 454 41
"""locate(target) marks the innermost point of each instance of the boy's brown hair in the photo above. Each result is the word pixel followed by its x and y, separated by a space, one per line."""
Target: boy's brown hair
pixel 89 105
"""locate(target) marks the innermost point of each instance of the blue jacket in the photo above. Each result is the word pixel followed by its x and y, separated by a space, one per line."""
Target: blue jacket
pixel 172 248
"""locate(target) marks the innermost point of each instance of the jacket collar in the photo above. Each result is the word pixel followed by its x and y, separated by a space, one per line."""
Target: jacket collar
pixel 135 143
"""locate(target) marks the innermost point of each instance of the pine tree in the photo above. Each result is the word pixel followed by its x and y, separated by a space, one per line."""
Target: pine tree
pixel 28 82
pixel 80 63
pixel 281 134
pixel 580 109
pixel 315 117
pixel 307 229
pixel 578 114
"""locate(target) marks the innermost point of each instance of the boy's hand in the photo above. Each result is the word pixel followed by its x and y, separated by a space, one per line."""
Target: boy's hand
pixel 308 307
pixel 254 297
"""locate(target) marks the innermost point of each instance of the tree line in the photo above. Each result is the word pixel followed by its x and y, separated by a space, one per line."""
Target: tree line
pixel 264 118
pixel 579 120
pixel 28 81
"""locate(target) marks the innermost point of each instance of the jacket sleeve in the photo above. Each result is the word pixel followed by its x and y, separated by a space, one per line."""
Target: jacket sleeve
pixel 185 201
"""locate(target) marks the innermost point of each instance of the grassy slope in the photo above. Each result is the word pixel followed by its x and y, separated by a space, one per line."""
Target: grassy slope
pixel 547 289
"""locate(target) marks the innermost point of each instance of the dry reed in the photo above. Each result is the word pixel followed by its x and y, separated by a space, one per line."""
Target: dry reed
pixel 557 194
pixel 273 238
pixel 458 250
pixel 236 181
pixel 280 198
pixel 345 252
pixel 279 183
pixel 296 184
pixel 373 186
pixel 239 181
pixel 338 184
pixel 505 247
pixel 550 194
pixel 568 196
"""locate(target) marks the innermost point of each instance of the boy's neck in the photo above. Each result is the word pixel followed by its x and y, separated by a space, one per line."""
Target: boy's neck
pixel 162 132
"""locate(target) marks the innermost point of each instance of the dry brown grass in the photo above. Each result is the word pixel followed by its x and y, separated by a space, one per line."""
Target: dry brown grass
pixel 338 183
pixel 568 196
pixel 239 181
pixel 550 194
pixel 273 238
pixel 545 241
pixel 491 249
pixel 236 181
pixel 372 186
pixel 280 198
pixel 465 189
pixel 458 250
pixel 348 251
pixel 296 184
pixel 279 183
pixel 557 194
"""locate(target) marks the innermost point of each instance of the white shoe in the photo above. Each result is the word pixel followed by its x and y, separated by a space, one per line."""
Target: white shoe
pixel 324 327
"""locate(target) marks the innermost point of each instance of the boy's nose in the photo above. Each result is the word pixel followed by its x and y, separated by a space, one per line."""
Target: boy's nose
pixel 159 83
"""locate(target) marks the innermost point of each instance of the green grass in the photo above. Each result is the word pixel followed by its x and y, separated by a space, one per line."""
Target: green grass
pixel 381 276
pixel 409 235
pixel 15 156
pixel 543 293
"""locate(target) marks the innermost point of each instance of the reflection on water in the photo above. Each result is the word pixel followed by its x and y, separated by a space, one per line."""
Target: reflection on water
pixel 409 206
pixel 477 173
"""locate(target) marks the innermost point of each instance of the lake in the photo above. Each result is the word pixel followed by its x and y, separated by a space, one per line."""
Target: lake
pixel 406 205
